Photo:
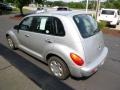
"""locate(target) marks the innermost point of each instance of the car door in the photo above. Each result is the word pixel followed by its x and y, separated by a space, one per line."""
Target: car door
pixel 35 35
pixel 23 33
pixel 41 36
pixel 47 32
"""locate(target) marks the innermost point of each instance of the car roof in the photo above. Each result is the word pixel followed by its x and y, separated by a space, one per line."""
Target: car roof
pixel 60 13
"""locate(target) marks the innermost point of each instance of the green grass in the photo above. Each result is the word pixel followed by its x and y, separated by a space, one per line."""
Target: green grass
pixel 102 24
pixel 26 10
pixel 16 10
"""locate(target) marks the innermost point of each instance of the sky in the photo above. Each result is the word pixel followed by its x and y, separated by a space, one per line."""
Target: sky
pixel 71 0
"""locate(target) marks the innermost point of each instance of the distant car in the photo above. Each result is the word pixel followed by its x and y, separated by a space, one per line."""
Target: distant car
pixel 69 42
pixel 63 9
pixel 40 10
pixel 5 7
pixel 111 16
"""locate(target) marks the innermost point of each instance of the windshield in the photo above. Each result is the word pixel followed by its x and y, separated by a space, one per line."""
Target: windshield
pixel 86 25
pixel 108 12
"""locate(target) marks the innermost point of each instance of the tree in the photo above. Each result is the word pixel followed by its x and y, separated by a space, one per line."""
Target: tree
pixel 19 3
pixel 79 5
pixel 92 5
pixel 49 3
pixel 58 3
pixel 1 0
pixel 116 4
pixel 9 1
pixel 41 2
pixel 111 4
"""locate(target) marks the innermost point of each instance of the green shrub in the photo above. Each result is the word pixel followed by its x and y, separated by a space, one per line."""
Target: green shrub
pixel 102 24
pixel 16 10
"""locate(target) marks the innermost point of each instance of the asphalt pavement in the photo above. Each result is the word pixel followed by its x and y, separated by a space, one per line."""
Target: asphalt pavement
pixel 12 79
pixel 19 71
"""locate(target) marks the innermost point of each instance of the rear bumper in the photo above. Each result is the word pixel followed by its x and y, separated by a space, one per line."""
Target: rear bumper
pixel 91 68
pixel 113 22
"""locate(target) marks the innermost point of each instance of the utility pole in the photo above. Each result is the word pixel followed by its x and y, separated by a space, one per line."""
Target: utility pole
pixel 97 8
pixel 86 6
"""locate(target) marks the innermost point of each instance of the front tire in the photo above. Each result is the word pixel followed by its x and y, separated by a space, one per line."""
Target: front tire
pixel 58 67
pixel 11 43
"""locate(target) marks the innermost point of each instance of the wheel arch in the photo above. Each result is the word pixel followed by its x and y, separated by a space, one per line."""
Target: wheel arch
pixel 51 54
pixel 13 37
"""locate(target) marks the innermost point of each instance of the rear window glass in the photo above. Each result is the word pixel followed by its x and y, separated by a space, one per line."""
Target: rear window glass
pixel 108 12
pixel 86 25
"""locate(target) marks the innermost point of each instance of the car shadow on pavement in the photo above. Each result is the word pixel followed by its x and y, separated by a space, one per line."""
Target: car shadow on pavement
pixel 39 76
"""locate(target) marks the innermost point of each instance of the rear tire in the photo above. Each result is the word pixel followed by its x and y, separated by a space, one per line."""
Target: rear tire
pixel 118 23
pixel 11 43
pixel 114 26
pixel 58 67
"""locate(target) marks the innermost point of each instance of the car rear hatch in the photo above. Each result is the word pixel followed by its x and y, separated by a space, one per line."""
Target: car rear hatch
pixel 93 47
pixel 107 15
pixel 93 43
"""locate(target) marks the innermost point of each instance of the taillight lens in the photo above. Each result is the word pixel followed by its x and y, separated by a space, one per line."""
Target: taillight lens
pixel 76 59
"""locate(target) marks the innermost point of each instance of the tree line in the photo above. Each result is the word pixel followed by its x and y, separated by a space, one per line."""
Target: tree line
pixel 77 5
pixel 81 5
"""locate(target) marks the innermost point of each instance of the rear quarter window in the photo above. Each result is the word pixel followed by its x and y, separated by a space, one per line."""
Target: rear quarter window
pixel 58 27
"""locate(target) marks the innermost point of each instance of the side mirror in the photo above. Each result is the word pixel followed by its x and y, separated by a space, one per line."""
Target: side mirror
pixel 16 27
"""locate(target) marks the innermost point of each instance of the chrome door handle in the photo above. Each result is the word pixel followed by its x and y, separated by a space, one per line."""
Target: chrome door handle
pixel 27 35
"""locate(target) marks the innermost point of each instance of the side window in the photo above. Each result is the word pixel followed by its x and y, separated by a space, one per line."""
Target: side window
pixel 26 23
pixel 58 27
pixel 42 25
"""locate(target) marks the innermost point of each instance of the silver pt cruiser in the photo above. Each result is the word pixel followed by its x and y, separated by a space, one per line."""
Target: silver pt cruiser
pixel 69 42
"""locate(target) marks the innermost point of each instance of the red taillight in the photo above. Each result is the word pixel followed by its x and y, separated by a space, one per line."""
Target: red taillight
pixel 76 59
